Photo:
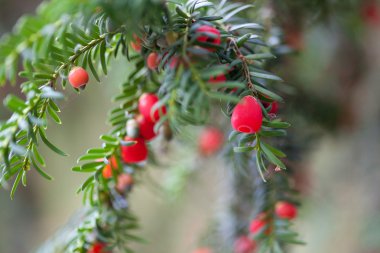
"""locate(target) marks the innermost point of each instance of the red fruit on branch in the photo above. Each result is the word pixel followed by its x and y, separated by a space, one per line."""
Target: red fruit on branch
pixel 136 44
pixel 174 62
pixel 257 225
pixel 244 245
pixel 146 127
pixel 78 77
pixel 209 35
pixel 286 210
pixel 135 153
pixel 97 247
pixel 218 79
pixel 152 61
pixel 273 109
pixel 146 104
pixel 123 182
pixel 247 116
pixel 210 141
pixel 107 170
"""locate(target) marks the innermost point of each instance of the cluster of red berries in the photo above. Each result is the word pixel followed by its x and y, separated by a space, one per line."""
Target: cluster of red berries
pixel 146 120
pixel 245 244
pixel 283 210
pixel 137 152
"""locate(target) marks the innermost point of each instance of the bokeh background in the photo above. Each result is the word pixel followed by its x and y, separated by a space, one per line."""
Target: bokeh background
pixel 336 116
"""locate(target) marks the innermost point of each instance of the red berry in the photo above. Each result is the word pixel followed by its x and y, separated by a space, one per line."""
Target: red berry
pixel 210 35
pixel 123 182
pixel 286 210
pixel 146 127
pixel 136 45
pixel 371 13
pixel 244 245
pixel 202 250
pixel 135 153
pixel 210 140
pixel 257 225
pixel 247 116
pixel 78 77
pixel 273 109
pixel 97 247
pixel 146 103
pixel 174 62
pixel 107 170
pixel 218 79
pixel 152 61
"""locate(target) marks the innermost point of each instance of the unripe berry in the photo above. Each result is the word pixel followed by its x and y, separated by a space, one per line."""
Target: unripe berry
pixel 136 45
pixel 247 116
pixel 146 127
pixel 286 210
pixel 244 245
pixel 152 61
pixel 135 153
pixel 218 79
pixel 171 37
pixel 78 77
pixel 97 247
pixel 203 250
pixel 112 165
pixel 132 128
pixel 146 103
pixel 123 182
pixel 210 141
pixel 210 35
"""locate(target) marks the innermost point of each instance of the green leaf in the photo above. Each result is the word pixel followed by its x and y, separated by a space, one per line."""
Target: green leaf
pixel 276 124
pixel 86 183
pixel 16 183
pixel 243 39
pixel 261 56
pixel 40 171
pixel 102 53
pixel 54 115
pixel 259 164
pixel 15 104
pixel 90 157
pixel 273 133
pixel 269 93
pixel 243 149
pixel 271 157
pixel 91 65
pixel 50 145
pixel 274 150
pixel 109 139
pixel 181 12
pixel 266 76
pixel 38 156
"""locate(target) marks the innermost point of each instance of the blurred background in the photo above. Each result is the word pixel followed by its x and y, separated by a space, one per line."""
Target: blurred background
pixel 334 108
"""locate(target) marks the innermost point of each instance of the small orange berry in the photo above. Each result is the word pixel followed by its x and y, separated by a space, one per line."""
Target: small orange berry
pixel 152 61
pixel 78 77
